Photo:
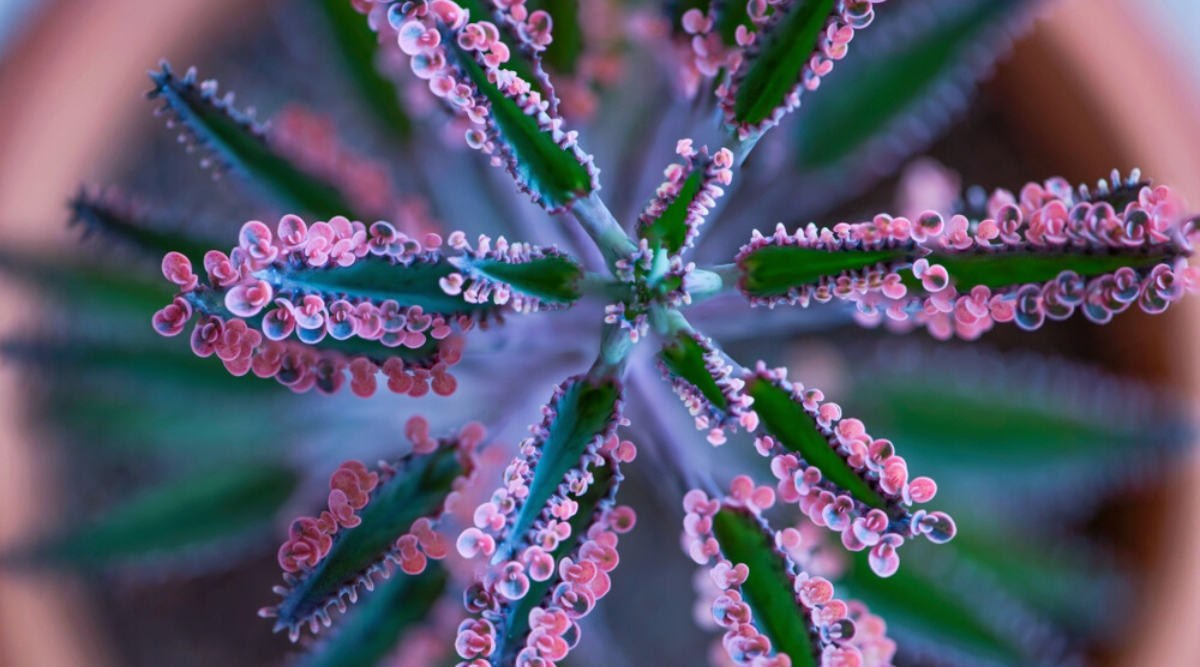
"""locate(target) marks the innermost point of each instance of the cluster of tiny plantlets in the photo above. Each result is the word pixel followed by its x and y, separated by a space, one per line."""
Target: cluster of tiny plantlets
pixel 328 291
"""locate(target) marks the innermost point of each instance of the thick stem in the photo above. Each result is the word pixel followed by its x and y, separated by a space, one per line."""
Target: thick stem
pixel 600 224
pixel 615 346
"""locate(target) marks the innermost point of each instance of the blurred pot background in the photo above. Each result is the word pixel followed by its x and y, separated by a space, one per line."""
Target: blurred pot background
pixel 1097 84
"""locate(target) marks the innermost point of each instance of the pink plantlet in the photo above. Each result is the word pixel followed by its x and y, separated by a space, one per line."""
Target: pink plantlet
pixel 477 287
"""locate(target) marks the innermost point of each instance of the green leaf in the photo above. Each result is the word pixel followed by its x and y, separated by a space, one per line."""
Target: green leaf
pixel 359 46
pixel 181 516
pixel 92 289
pixel 684 358
pixel 545 168
pixel 881 86
pixel 552 279
pixel 730 15
pixel 104 215
pixel 670 229
pixel 241 144
pixel 798 432
pixel 768 589
pixel 562 55
pixel 585 411
pixel 767 78
pixel 1002 269
pixel 962 427
pixel 516 626
pixel 916 605
pixel 772 270
pixel 377 279
pixel 378 624
pixel 419 489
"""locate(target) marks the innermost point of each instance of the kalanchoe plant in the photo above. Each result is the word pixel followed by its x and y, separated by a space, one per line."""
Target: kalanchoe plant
pixel 329 293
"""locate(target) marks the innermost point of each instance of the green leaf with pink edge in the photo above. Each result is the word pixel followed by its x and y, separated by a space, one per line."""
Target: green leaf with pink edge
pixel 418 490
pixel 379 623
pixel 587 410
pixel 768 588
pixel 670 229
pixel 516 627
pixel 883 86
pixel 550 171
pixel 552 279
pixel 772 270
pixel 684 359
pixel 769 76
pixel 798 432
pixel 175 520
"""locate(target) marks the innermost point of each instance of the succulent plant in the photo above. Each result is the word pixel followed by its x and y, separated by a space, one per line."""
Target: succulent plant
pixel 467 551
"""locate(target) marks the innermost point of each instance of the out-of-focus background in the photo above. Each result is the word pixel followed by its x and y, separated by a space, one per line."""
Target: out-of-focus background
pixel 1099 83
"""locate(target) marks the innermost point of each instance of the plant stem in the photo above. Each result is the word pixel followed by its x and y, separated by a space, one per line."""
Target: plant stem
pixel 702 284
pixel 600 224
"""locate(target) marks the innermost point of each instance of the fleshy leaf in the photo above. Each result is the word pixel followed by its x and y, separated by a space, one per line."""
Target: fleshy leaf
pixel 378 624
pixel 581 417
pixel 516 121
pixel 931 620
pixel 528 278
pixel 796 46
pixel 673 217
pixel 109 214
pixel 360 50
pixel 1038 256
pixel 366 295
pixel 239 143
pixel 528 605
pixel 929 55
pixel 700 377
pixel 770 606
pixel 841 477
pixel 545 161
pixel 328 558
pixel 178 518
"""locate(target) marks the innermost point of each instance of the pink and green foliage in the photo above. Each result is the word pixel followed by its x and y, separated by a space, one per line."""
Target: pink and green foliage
pixel 325 291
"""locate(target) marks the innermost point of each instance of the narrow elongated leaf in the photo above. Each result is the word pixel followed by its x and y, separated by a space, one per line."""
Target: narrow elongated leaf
pixel 551 172
pixel 672 219
pixel 928 56
pixel 379 623
pixel 592 506
pixel 239 144
pixel 92 289
pixel 177 518
pixel 106 214
pixel 583 413
pixel 771 608
pixel 929 619
pixel 840 475
pixel 525 277
pixel 1038 256
pixel 359 47
pixel 774 71
pixel 776 271
pixel 768 588
pixel 417 488
pixel 701 378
